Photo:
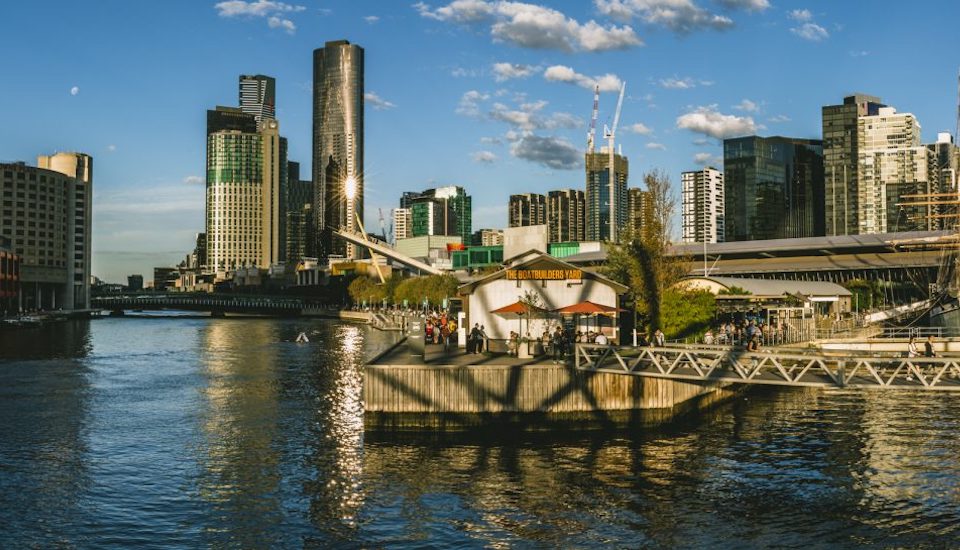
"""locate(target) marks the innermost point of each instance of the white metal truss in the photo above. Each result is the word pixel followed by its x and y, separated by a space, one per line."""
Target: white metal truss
pixel 773 367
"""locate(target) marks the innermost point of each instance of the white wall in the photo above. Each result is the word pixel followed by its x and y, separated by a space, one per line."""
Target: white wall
pixel 554 294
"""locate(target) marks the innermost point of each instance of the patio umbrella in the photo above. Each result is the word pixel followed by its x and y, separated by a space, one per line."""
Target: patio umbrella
pixel 521 309
pixel 587 307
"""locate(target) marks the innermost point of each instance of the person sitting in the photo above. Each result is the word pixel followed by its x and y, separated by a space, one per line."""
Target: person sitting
pixel 601 339
pixel 512 344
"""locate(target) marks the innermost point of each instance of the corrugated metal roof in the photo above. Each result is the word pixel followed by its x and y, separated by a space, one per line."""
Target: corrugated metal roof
pixel 774 287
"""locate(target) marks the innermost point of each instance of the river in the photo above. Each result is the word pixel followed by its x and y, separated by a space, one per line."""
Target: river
pixel 195 432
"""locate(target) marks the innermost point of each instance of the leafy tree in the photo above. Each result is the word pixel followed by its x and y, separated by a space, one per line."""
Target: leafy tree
pixel 687 312
pixel 433 287
pixel 364 289
pixel 735 291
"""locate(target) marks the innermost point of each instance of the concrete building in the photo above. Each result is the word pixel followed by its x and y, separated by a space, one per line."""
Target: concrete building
pixel 488 237
pixel 518 240
pixel 701 193
pixel 891 163
pixel 134 283
pixel 9 278
pixel 338 176
pixel 840 162
pixel 773 188
pixel 402 223
pixel 46 215
pixel 258 96
pixel 444 210
pixel 527 209
pixel 606 196
pixel 244 174
pixel 566 215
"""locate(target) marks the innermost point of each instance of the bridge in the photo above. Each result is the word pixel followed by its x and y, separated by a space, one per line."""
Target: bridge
pixel 383 249
pixel 214 303
pixel 776 367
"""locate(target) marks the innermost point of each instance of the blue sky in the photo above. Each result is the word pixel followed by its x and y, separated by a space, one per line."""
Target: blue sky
pixel 494 96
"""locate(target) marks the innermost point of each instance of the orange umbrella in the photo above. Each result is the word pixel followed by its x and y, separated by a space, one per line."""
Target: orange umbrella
pixel 587 307
pixel 520 309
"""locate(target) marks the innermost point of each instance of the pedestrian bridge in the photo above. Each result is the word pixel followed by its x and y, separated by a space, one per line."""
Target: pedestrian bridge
pixel 214 303
pixel 775 367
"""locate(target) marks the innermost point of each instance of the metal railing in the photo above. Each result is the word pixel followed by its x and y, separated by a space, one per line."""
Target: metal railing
pixel 810 369
pixel 919 332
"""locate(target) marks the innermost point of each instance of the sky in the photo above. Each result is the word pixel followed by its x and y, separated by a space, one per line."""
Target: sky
pixel 495 96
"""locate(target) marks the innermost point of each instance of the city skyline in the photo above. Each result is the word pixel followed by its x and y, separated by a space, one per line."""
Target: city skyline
pixel 491 107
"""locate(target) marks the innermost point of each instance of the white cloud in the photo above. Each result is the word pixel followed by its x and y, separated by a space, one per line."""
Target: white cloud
pixel 460 72
pixel 679 16
pixel 811 32
pixel 470 103
pixel 639 128
pixel 658 146
pixel 483 157
pixel 193 180
pixel 371 19
pixel 528 117
pixel 552 152
pixel 747 106
pixel 706 159
pixel 491 141
pixel 280 23
pixel 708 121
pixel 561 73
pixel 506 71
pixel 75 90
pixel 747 5
pixel 111 148
pixel 779 118
pixel 859 53
pixel 274 12
pixel 677 83
pixel 800 15
pixel 533 26
pixel 377 102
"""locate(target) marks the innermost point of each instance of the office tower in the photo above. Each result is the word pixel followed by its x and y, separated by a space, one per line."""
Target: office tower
pixel 891 163
pixel 606 202
pixel 566 216
pixel 639 212
pixel 298 217
pixel 840 154
pixel 244 174
pixel 46 215
pixel 773 188
pixel 200 251
pixel 702 206
pixel 402 223
pixel 337 143
pixel 432 216
pixel 258 96
pixel 462 206
pixel 230 118
pixel 527 209
pixel 488 237
pixel 134 283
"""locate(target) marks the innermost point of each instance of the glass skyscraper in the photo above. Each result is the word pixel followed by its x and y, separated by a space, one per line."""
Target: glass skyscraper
pixel 606 204
pixel 258 96
pixel 337 143
pixel 773 188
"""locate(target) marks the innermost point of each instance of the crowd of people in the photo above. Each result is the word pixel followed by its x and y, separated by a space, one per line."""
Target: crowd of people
pixel 750 334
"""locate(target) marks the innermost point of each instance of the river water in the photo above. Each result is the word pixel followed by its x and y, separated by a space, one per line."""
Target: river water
pixel 163 433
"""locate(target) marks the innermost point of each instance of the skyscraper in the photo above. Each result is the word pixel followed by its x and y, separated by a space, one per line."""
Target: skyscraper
pixel 840 152
pixel 402 222
pixel 243 197
pixel 772 188
pixel 337 143
pixel 527 209
pixel 442 211
pixel 639 212
pixel 566 216
pixel 298 216
pixel 891 163
pixel 258 96
pixel 702 206
pixel 606 203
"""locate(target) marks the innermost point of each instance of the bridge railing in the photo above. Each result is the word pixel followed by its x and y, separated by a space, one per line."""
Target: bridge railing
pixel 788 368
pixel 919 332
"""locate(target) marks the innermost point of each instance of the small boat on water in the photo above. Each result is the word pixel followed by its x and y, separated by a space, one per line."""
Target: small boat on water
pixel 302 338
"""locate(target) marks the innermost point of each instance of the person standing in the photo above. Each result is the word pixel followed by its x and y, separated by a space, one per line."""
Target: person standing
pixel 912 350
pixel 659 340
pixel 928 350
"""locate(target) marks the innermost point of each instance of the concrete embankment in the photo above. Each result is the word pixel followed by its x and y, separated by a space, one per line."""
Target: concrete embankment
pixel 466 391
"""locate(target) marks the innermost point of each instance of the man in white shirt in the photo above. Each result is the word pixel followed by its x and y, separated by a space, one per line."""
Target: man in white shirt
pixel 602 339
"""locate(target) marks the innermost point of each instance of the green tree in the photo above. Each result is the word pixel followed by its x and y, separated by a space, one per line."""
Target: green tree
pixel 687 312
pixel 434 288
pixel 364 289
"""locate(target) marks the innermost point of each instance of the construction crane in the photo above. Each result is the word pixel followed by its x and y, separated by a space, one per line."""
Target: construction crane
pixel 610 134
pixel 593 120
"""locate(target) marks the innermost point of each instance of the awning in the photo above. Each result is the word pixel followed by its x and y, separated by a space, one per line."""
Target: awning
pixel 587 307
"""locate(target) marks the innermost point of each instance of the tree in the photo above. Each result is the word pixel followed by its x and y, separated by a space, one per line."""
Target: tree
pixel 434 288
pixel 364 289
pixel 687 312
pixel 640 260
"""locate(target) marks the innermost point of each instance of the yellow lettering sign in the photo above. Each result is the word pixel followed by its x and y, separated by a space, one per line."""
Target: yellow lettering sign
pixel 543 274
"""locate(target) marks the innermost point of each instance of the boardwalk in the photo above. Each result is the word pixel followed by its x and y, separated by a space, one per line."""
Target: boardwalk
pixel 800 368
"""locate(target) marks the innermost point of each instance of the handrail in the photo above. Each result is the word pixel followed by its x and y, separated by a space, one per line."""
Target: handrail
pixel 772 367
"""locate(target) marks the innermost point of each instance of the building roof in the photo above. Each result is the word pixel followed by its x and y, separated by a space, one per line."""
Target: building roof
pixel 776 287
pixel 535 257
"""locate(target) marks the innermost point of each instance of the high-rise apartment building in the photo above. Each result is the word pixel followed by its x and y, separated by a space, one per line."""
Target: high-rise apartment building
pixel 441 211
pixel 46 215
pixel 488 237
pixel 337 143
pixel 566 216
pixel 244 174
pixel 402 223
pixel 701 197
pixel 891 163
pixel 258 96
pixel 606 195
pixel 639 212
pixel 462 205
pixel 772 188
pixel 527 209
pixel 840 162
